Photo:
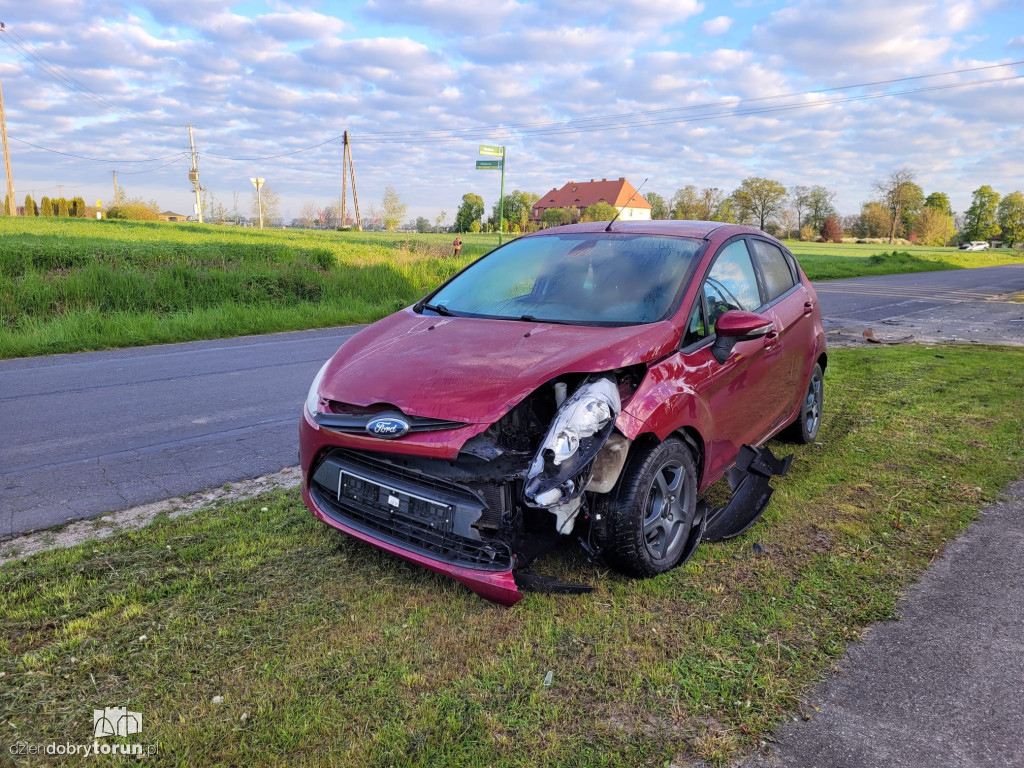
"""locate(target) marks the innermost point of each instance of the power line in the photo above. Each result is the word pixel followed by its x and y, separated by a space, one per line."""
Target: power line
pixel 100 159
pixel 150 170
pixel 691 107
pixel 273 157
pixel 551 129
pixel 628 119
pixel 22 47
pixel 619 121
pixel 741 113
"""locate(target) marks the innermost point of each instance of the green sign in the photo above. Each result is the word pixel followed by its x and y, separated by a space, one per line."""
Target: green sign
pixel 487 149
pixel 494 165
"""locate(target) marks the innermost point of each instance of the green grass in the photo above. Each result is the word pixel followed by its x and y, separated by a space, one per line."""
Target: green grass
pixel 68 285
pixel 831 261
pixel 339 655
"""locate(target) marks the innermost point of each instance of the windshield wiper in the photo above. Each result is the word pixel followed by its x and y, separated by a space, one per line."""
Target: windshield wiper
pixel 535 319
pixel 438 308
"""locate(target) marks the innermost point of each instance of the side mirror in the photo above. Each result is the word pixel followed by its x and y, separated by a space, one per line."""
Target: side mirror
pixel 736 325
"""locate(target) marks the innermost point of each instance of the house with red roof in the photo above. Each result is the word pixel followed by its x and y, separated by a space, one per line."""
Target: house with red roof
pixel 578 195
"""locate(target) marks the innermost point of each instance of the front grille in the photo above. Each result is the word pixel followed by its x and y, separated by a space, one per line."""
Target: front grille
pixel 430 516
pixel 351 421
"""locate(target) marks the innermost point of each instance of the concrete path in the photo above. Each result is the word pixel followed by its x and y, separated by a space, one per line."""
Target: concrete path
pixel 944 686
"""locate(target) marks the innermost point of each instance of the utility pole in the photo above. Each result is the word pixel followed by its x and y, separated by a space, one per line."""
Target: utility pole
pixel 258 183
pixel 117 193
pixel 344 178
pixel 193 176
pixel 347 166
pixel 12 208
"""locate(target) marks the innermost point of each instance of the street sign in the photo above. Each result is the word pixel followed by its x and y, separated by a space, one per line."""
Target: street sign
pixel 495 165
pixel 257 182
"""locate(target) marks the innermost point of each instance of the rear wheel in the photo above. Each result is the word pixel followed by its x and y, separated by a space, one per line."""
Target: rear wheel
pixel 651 512
pixel 805 428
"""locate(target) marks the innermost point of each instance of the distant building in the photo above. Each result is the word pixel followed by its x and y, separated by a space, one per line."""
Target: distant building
pixel 172 216
pixel 578 196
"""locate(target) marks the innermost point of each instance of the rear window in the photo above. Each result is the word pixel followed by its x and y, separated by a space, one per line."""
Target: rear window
pixel 579 278
pixel 778 277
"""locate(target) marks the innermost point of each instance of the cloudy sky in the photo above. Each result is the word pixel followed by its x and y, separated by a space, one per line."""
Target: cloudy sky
pixel 676 91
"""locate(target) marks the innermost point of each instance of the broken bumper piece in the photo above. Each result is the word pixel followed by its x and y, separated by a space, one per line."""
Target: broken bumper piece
pixel 497 585
pixel 751 493
pixel 427 521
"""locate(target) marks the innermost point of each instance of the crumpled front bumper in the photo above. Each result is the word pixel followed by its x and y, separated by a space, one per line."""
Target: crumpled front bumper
pixel 498 586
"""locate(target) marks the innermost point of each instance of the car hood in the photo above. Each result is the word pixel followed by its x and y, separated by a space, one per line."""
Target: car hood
pixel 475 370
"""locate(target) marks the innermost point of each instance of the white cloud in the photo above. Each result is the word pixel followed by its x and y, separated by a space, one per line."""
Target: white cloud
pixel 849 37
pixel 716 26
pixel 300 25
pixel 450 18
pixel 259 84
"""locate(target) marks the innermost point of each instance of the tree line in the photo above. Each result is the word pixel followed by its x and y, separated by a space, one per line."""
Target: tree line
pixel 898 208
pixel 59 206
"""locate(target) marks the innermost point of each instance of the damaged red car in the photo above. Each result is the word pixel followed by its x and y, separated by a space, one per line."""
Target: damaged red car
pixel 586 382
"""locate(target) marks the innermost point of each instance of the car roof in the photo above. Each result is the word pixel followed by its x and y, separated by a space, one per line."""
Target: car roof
pixel 670 227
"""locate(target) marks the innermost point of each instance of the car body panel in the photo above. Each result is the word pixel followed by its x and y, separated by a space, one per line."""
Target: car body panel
pixel 483 367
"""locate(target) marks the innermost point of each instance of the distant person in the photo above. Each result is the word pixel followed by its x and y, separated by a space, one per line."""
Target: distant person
pixel 457 244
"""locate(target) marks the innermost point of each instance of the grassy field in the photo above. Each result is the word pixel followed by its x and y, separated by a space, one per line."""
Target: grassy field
pixel 327 653
pixel 831 261
pixel 69 285
pixel 73 284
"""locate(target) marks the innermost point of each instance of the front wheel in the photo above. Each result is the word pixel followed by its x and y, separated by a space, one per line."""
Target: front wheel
pixel 805 428
pixel 651 512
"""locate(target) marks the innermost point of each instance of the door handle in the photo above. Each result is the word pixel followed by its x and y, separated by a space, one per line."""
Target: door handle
pixel 808 307
pixel 770 339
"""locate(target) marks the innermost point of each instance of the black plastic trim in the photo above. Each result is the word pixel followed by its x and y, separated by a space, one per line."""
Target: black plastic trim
pixel 433 517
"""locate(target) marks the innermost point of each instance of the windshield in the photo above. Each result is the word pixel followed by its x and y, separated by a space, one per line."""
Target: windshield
pixel 580 278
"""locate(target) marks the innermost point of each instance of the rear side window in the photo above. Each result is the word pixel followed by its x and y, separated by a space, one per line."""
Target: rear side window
pixel 778 277
pixel 731 283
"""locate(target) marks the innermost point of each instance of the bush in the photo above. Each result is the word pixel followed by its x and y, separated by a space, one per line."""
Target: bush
pixel 132 212
pixel 831 231
pixel 807 233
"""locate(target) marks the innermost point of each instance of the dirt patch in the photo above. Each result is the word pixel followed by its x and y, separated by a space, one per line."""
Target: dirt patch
pixel 136 517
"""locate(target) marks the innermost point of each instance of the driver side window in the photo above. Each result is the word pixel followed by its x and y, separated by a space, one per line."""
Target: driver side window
pixel 731 283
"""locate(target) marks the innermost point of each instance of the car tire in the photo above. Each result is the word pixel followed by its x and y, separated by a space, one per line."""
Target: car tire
pixel 651 511
pixel 805 428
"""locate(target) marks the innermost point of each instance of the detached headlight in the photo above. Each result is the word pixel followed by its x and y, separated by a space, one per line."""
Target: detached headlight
pixel 577 420
pixel 576 435
pixel 313 397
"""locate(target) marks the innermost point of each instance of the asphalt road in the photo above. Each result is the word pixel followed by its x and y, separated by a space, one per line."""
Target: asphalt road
pixel 958 305
pixel 90 433
pixel 94 432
